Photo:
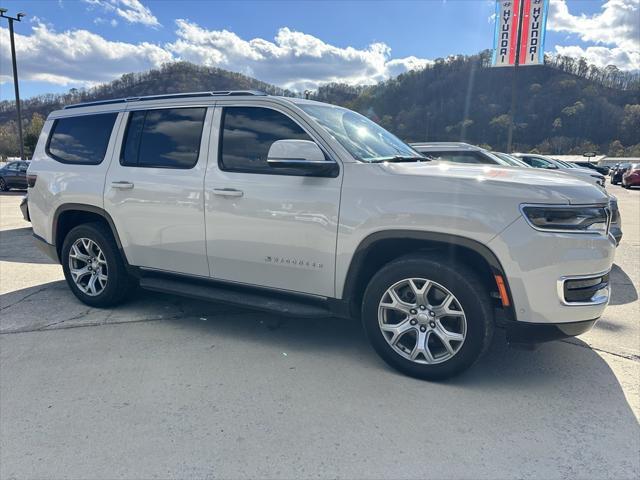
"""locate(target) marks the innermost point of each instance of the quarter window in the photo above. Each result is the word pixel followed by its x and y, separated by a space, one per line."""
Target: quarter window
pixel 164 138
pixel 81 140
pixel 247 134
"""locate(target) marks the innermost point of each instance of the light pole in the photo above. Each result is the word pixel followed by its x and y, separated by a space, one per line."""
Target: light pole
pixel 17 18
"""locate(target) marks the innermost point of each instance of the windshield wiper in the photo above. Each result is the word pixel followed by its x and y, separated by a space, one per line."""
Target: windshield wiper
pixel 399 159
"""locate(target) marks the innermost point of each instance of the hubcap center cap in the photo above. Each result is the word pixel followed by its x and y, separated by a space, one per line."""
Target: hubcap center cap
pixel 425 318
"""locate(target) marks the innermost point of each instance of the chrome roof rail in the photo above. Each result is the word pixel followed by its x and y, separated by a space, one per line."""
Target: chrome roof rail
pixel 215 93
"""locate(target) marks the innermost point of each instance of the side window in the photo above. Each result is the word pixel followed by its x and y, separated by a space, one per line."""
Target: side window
pixel 23 167
pixel 246 135
pixel 81 140
pixel 163 138
pixel 12 166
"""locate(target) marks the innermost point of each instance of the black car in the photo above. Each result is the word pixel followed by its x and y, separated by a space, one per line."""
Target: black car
pixel 13 175
pixel 593 166
pixel 617 171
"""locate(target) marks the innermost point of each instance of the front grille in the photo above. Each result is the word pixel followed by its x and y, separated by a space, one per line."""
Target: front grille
pixel 586 290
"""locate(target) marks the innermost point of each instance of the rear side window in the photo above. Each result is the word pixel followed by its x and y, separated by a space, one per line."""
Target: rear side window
pixel 247 134
pixel 462 157
pixel 81 140
pixel 164 138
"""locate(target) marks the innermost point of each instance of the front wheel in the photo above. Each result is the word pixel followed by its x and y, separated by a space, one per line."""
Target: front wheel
pixel 3 185
pixel 428 318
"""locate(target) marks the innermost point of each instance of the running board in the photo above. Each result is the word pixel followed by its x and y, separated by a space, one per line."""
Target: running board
pixel 245 298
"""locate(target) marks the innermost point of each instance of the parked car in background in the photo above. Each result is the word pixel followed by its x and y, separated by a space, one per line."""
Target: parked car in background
pixel 631 176
pixel 313 210
pixel 459 152
pixel 514 161
pixel 548 163
pixel 13 175
pixel 601 170
pixel 617 171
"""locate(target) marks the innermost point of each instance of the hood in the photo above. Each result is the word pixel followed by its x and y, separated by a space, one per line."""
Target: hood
pixel 531 184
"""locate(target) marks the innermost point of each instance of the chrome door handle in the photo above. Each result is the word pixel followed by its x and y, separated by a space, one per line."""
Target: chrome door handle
pixel 228 192
pixel 122 185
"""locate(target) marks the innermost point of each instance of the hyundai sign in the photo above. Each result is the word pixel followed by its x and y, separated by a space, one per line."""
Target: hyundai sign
pixel 513 32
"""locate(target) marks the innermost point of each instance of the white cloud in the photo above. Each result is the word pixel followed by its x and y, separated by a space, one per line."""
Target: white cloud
pixel 131 10
pixel 76 57
pixel 615 31
pixel 293 60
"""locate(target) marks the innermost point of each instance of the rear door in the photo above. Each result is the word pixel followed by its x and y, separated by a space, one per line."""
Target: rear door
pixel 264 227
pixel 154 188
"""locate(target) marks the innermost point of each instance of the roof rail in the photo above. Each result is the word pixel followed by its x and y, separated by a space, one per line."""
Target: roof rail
pixel 216 93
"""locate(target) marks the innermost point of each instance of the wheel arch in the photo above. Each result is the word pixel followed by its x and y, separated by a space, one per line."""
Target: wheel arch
pixel 70 215
pixel 380 248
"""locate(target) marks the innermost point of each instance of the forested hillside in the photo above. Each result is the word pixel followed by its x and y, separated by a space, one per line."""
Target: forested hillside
pixel 567 106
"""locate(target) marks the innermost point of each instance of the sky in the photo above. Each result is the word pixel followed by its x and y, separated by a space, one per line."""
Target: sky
pixel 63 44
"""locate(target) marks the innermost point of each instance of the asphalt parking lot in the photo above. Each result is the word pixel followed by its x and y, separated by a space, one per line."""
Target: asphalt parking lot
pixel 165 387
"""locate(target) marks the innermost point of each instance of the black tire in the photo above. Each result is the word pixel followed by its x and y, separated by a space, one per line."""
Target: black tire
pixel 119 283
pixel 471 293
pixel 3 185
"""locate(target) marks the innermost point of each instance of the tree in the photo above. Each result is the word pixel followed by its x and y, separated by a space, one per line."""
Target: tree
pixel 631 124
pixel 32 133
pixel 616 149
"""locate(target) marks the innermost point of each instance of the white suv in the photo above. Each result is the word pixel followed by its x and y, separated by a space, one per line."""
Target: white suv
pixel 309 209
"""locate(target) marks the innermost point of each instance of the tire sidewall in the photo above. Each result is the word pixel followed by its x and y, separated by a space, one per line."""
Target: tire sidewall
pixel 3 185
pixel 473 298
pixel 111 257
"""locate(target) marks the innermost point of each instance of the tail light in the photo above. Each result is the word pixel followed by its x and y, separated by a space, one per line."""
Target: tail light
pixel 31 179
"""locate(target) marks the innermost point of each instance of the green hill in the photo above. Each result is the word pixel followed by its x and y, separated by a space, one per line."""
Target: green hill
pixel 565 106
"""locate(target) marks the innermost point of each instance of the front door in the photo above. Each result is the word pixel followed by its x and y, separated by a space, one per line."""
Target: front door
pixel 263 227
pixel 154 188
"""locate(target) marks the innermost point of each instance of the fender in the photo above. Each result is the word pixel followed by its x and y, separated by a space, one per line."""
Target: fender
pixel 350 285
pixel 90 209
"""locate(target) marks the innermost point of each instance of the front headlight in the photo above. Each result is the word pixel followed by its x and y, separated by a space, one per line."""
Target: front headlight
pixel 564 218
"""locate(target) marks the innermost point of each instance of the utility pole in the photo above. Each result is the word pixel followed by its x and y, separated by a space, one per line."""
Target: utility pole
pixel 17 18
pixel 514 87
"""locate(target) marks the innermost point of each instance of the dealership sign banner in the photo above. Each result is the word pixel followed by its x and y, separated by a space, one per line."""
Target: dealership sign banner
pixel 519 24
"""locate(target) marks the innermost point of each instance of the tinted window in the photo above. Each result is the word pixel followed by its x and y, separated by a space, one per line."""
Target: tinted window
pixel 167 138
pixel 462 157
pixel 536 162
pixel 247 134
pixel 82 139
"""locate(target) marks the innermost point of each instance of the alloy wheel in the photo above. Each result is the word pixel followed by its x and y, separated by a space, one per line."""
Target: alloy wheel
pixel 422 321
pixel 88 267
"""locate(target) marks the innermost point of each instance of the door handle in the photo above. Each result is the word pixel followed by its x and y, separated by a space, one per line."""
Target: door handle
pixel 122 185
pixel 228 192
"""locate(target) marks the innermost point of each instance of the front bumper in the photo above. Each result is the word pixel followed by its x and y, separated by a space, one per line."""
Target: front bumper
pixel 523 332
pixel 534 263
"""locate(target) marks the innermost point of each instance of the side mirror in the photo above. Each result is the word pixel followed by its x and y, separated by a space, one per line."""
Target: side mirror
pixel 302 158
pixel 551 167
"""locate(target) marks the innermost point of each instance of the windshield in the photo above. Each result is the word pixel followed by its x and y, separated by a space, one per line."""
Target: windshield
pixel 363 139
pixel 513 161
pixel 564 164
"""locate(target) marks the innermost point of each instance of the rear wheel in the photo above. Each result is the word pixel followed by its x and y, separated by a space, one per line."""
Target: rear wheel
pixel 428 318
pixel 93 266
pixel 3 185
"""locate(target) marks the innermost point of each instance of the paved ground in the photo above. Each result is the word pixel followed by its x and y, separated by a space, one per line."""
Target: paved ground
pixel 165 387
